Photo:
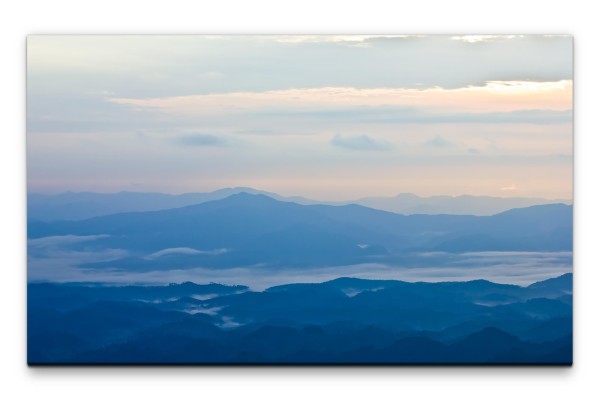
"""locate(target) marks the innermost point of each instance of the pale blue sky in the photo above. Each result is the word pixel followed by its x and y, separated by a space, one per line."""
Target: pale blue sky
pixel 328 117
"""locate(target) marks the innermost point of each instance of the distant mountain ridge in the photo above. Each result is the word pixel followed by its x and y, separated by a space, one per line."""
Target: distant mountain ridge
pixel 246 229
pixel 84 205
pixel 406 203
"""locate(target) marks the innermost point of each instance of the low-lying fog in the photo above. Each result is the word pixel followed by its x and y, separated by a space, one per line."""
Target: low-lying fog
pixel 48 261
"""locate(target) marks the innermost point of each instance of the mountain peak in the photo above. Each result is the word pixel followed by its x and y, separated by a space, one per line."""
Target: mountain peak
pixel 249 195
pixel 565 281
pixel 245 198
pixel 536 209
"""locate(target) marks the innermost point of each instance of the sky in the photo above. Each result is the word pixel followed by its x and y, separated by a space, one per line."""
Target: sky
pixel 326 117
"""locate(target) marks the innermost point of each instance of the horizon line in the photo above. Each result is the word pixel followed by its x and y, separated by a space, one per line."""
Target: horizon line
pixel 246 188
pixel 249 288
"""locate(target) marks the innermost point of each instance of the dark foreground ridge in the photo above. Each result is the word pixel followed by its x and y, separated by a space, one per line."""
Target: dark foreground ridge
pixel 345 320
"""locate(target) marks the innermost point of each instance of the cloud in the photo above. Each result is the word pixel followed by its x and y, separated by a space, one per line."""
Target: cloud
pixel 49 257
pixel 493 97
pixel 439 142
pixel 155 66
pixel 326 38
pixel 61 245
pixel 259 132
pixel 360 142
pixel 411 115
pixel 502 267
pixel 201 140
pixel 484 38
pixel 511 187
pixel 493 38
pixel 184 251
pixel 510 117
pixel 88 96
pixel 364 41
pixel 57 241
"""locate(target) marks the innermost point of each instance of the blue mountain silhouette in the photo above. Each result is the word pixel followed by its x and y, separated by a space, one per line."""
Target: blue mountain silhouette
pixel 247 229
pixel 84 205
pixel 381 321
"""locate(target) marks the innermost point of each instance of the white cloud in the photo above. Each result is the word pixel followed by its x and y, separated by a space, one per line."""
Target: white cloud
pixel 184 251
pixel 521 268
pixel 494 96
pixel 484 38
pixel 90 96
pixel 57 241
pixel 353 40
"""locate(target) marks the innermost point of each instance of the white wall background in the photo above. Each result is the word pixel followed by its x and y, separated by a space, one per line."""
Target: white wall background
pixel 20 18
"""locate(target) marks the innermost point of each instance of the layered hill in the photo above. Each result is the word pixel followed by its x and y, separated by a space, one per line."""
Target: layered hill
pixel 85 205
pixel 254 229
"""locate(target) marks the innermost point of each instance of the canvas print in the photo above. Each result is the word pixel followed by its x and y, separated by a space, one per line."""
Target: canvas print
pixel 300 199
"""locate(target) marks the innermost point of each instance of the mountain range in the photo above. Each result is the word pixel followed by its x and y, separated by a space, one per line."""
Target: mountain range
pixel 246 229
pixel 346 320
pixel 84 205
